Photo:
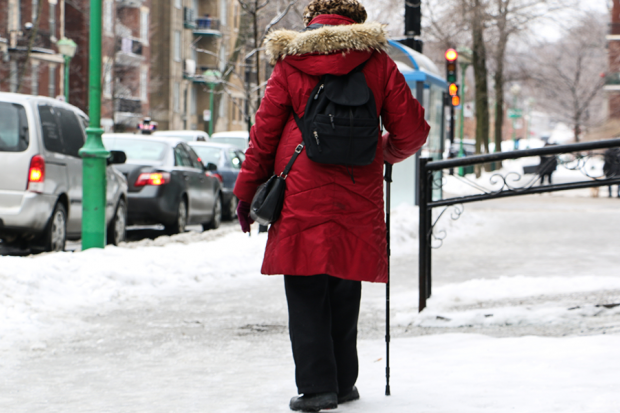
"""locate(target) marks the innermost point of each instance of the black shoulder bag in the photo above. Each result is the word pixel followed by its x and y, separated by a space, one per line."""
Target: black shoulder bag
pixel 269 198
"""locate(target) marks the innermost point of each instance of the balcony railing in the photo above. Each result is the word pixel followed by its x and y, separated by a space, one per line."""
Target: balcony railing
pixel 42 41
pixel 128 105
pixel 207 26
pixel 612 79
pixel 128 3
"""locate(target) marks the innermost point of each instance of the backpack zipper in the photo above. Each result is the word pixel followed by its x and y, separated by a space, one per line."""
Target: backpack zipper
pixel 331 118
pixel 318 91
pixel 318 144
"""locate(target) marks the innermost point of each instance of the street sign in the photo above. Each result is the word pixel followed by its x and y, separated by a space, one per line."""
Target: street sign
pixel 206 115
pixel 515 113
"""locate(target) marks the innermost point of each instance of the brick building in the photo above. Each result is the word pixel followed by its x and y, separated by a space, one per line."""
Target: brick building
pixel 125 60
pixel 612 86
pixel 29 59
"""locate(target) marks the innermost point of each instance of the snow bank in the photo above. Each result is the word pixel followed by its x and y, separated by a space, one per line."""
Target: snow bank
pixel 514 301
pixel 33 287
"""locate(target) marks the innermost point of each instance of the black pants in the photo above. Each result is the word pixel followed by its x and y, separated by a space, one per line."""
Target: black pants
pixel 323 313
pixel 542 179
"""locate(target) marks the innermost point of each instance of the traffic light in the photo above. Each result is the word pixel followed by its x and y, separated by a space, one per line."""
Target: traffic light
pixel 451 58
pixel 453 91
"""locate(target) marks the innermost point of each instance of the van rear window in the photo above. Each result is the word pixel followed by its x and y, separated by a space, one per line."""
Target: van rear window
pixel 14 135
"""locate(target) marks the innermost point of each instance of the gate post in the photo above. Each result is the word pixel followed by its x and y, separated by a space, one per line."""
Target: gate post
pixel 424 252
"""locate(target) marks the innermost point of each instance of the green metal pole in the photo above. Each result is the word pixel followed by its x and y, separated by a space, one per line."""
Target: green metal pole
pixel 67 61
pixel 462 116
pixel 93 152
pixel 211 85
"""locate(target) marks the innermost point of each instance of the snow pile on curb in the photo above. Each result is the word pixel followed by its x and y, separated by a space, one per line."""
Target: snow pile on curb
pixel 32 288
pixel 504 301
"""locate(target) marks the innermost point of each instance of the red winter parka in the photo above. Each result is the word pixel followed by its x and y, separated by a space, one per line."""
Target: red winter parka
pixel 330 223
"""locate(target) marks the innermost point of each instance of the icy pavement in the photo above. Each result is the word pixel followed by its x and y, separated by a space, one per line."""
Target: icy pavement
pixel 522 318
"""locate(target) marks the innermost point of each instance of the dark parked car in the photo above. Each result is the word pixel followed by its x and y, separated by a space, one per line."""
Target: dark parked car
pixel 167 183
pixel 228 159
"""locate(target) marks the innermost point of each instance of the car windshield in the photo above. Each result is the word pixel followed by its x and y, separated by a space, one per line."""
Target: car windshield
pixel 208 154
pixel 13 128
pixel 239 142
pixel 141 150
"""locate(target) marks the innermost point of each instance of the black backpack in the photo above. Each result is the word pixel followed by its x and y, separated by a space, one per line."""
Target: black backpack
pixel 340 125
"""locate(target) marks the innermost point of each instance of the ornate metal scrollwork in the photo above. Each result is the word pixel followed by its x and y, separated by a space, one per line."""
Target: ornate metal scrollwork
pixel 440 235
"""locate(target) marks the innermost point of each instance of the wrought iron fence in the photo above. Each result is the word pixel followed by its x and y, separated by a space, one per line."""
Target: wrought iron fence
pixel 584 158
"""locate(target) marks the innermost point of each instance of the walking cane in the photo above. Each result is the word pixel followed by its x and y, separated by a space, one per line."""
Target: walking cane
pixel 388 180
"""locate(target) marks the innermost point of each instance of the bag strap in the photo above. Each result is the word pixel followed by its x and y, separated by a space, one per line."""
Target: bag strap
pixel 298 150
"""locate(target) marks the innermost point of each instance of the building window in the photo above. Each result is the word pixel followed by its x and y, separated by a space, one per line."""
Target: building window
pixel 52 19
pixel 15 16
pixel 177 46
pixel 108 23
pixel 35 6
pixel 144 25
pixel 224 12
pixel 192 100
pixel 175 96
pixel 52 82
pixel 34 78
pixel 144 83
pixel 13 76
pixel 107 79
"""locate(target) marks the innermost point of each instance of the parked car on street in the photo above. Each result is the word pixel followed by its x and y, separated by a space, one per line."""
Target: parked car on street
pixel 228 159
pixel 168 184
pixel 186 135
pixel 239 138
pixel 41 175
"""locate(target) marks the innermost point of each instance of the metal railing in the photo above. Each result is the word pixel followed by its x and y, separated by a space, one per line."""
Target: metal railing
pixel 127 105
pixel 206 24
pixel 577 157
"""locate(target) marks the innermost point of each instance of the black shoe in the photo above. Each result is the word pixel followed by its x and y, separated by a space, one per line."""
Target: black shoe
pixel 314 402
pixel 350 396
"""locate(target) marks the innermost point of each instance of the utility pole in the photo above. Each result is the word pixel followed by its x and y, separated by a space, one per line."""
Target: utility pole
pixel 93 152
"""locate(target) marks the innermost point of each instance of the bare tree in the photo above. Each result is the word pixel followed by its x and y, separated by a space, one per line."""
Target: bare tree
pixel 568 74
pixel 508 18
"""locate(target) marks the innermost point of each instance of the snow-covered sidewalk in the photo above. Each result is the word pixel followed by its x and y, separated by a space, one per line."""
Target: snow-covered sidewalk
pixel 187 324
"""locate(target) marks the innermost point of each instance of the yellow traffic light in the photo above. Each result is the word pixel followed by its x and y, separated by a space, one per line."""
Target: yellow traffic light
pixel 453 89
pixel 456 100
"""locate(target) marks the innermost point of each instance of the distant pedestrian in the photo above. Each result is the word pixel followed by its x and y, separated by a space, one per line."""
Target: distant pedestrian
pixel 548 165
pixel 611 167
pixel 331 233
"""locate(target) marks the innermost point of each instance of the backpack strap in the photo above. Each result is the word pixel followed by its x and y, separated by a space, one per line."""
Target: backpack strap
pixel 287 169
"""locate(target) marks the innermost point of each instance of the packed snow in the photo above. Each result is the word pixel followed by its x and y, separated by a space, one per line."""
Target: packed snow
pixel 187 324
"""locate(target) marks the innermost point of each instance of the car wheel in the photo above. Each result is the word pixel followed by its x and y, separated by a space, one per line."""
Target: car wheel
pixel 217 215
pixel 179 226
pixel 231 210
pixel 56 231
pixel 118 225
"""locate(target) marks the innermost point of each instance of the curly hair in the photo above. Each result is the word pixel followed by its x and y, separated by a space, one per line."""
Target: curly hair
pixel 348 8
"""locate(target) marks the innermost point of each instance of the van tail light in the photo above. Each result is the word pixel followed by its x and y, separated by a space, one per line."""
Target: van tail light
pixel 154 178
pixel 216 175
pixel 36 174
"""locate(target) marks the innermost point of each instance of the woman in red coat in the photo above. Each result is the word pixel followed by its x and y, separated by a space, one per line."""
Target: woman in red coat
pixel 331 233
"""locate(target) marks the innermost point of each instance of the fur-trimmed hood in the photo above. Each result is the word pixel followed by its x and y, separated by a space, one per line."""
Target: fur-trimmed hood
pixel 363 37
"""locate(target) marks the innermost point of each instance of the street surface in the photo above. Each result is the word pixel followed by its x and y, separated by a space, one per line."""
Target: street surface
pixel 222 345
